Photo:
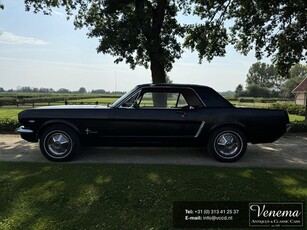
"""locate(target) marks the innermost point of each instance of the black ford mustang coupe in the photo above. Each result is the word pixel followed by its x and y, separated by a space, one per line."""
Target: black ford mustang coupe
pixel 154 115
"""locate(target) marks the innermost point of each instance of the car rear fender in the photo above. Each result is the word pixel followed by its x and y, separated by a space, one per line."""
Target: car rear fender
pixel 63 122
pixel 229 124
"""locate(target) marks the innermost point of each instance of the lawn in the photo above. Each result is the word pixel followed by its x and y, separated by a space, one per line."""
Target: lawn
pixel 107 196
pixel 9 113
pixel 252 105
pixel 296 118
pixel 101 101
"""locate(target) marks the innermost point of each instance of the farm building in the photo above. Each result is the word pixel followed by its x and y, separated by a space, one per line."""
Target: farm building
pixel 301 93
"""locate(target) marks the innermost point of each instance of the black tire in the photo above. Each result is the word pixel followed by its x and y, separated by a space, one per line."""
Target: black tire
pixel 59 143
pixel 227 144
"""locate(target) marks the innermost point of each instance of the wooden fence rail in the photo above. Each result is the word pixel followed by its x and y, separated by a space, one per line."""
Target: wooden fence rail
pixel 37 104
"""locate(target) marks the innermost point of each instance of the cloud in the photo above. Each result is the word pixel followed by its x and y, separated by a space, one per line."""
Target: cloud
pixel 58 13
pixel 67 64
pixel 10 38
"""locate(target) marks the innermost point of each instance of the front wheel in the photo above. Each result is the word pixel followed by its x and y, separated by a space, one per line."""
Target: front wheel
pixel 59 143
pixel 227 144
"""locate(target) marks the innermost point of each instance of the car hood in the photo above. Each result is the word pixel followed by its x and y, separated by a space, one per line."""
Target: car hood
pixel 63 111
pixel 73 107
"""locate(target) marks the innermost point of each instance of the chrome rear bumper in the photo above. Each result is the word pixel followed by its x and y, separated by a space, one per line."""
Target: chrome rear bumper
pixel 22 129
pixel 288 127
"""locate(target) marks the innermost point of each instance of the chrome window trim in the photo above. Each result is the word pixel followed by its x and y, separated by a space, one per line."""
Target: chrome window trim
pixel 197 96
pixel 138 91
pixel 128 98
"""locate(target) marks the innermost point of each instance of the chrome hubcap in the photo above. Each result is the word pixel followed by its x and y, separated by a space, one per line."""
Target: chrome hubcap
pixel 58 144
pixel 228 144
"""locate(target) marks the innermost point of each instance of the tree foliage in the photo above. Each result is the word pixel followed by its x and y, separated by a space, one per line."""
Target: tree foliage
pixel 297 73
pixel 290 85
pixel 82 90
pixel 254 90
pixel 148 32
pixel 264 75
pixel 272 28
pixel 298 70
pixel 239 90
pixel 63 90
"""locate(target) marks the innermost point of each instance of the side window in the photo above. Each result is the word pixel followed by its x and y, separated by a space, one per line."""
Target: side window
pixel 158 100
pixel 191 98
pixel 181 103
pixel 129 102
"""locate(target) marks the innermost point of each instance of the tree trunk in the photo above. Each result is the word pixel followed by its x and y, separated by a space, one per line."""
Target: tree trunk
pixel 158 76
pixel 157 71
pixel 156 52
pixel 306 106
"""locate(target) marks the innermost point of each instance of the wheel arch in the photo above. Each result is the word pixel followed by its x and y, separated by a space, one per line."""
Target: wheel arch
pixel 238 125
pixel 58 122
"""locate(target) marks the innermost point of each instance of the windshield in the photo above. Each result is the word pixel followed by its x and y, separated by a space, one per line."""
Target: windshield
pixel 123 98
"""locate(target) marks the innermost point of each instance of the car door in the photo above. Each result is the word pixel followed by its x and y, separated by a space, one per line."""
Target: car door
pixel 193 112
pixel 153 118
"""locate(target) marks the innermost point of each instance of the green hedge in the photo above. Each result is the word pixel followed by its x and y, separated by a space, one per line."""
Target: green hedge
pixel 298 126
pixel 257 99
pixel 247 100
pixel 290 108
pixel 42 98
pixel 8 125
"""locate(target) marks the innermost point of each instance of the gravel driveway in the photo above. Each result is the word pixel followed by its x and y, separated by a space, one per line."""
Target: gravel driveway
pixel 288 152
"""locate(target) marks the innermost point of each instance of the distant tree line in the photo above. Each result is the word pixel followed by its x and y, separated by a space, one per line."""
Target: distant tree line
pixel 82 90
pixel 263 80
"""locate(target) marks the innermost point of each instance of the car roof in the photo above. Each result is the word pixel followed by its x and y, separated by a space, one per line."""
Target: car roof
pixel 208 95
pixel 172 85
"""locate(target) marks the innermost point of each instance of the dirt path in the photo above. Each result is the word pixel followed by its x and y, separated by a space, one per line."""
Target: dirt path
pixel 288 152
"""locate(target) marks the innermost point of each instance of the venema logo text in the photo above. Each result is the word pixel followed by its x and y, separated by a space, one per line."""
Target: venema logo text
pixel 276 214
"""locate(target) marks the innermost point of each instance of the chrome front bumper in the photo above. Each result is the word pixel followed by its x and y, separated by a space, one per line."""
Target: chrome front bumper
pixel 22 129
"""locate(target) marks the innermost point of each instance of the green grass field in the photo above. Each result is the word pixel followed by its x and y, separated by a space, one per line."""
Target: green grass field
pixel 107 196
pixel 296 118
pixel 9 113
pixel 101 101
pixel 255 104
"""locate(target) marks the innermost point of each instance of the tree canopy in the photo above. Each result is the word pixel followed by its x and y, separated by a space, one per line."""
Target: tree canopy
pixel 149 32
pixel 264 75
pixel 264 78
pixel 82 90
pixel 239 90
pixel 297 73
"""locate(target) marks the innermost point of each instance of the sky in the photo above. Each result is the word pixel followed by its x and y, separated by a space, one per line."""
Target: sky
pixel 46 51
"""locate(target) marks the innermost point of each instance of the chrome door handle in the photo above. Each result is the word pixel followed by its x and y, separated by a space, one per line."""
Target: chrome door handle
pixel 182 113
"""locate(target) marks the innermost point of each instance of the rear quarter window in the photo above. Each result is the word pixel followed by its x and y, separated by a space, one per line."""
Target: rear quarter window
pixel 211 98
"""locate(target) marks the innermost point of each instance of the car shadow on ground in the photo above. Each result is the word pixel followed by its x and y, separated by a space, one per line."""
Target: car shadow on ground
pixel 288 152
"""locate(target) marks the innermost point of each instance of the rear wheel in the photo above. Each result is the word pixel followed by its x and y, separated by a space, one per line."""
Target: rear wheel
pixel 227 144
pixel 59 143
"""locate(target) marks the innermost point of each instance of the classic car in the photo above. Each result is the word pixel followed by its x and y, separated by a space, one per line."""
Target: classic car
pixel 154 115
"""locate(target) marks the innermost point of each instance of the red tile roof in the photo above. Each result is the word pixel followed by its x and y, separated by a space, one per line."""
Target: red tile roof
pixel 302 87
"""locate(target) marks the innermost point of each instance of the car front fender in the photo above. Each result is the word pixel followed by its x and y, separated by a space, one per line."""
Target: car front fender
pixel 58 121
